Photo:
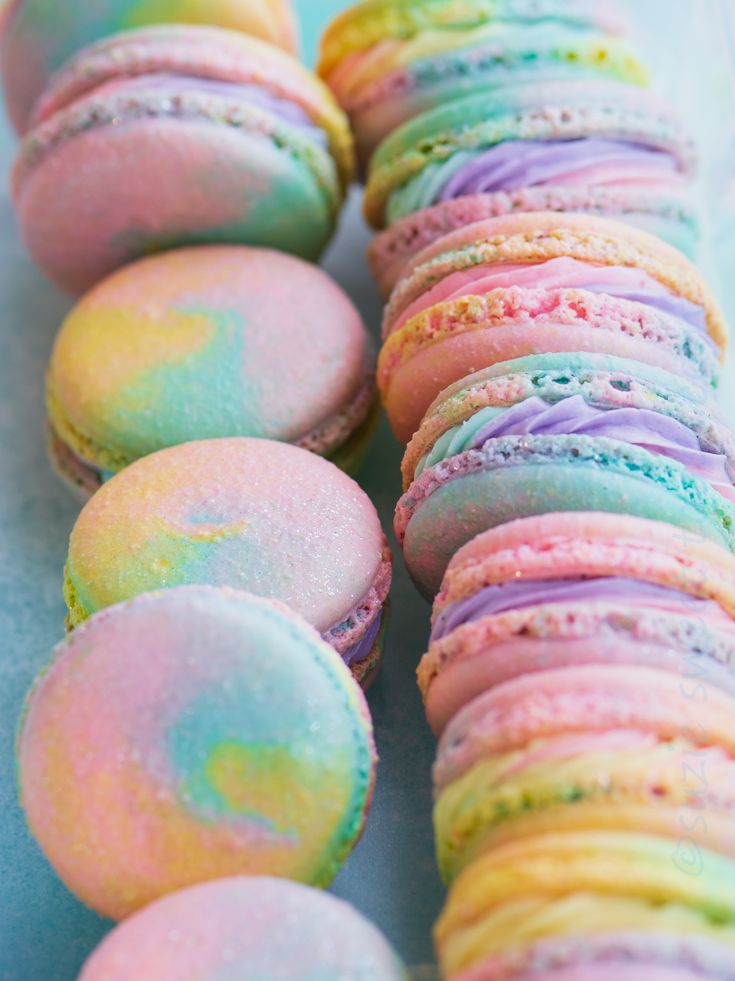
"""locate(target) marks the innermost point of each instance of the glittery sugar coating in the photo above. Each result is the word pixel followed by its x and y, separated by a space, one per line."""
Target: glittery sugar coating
pixel 37 37
pixel 208 342
pixel 188 735
pixel 239 144
pixel 252 514
pixel 250 928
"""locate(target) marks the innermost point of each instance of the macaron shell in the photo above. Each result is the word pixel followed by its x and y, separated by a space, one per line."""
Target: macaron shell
pixel 261 926
pixel 670 218
pixel 515 477
pixel 37 38
pixel 146 766
pixel 251 514
pixel 272 337
pixel 480 656
pixel 253 182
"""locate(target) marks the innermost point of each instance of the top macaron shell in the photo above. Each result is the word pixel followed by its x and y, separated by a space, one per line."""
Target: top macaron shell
pixel 256 515
pixel 37 37
pixel 257 926
pixel 209 342
pixel 238 143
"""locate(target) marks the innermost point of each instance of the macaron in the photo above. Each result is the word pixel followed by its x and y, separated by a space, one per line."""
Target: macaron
pixel 671 216
pixel 585 749
pixel 428 57
pixel 542 282
pixel 206 342
pixel 238 142
pixel 575 589
pixel 573 133
pixel 576 887
pixel 36 37
pixel 265 517
pixel 188 735
pixel 249 928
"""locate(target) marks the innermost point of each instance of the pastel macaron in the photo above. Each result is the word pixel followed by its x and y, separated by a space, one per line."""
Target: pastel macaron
pixel 387 65
pixel 574 133
pixel 265 517
pixel 251 928
pixel 36 37
pixel 574 888
pixel 188 735
pixel 237 142
pixel 584 749
pixel 576 589
pixel 206 342
pixel 542 282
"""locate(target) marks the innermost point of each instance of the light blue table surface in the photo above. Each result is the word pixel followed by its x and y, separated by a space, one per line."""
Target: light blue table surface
pixel 44 932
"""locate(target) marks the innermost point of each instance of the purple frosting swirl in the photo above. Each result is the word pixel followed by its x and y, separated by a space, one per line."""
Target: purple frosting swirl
pixel 516 595
pixel 650 430
pixel 517 164
pixel 361 650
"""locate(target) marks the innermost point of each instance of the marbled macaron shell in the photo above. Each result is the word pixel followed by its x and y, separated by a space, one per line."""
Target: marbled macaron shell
pixel 208 342
pixel 413 165
pixel 542 282
pixel 256 926
pixel 193 734
pixel 251 514
pixel 232 149
pixel 670 216
pixel 575 886
pixel 37 37
pixel 398 79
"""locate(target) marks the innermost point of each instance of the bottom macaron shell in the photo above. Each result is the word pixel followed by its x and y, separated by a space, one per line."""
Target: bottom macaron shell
pixel 351 455
pixel 515 477
pixel 204 182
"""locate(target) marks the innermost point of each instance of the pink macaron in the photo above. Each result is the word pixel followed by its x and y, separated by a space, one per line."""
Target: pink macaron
pixel 178 135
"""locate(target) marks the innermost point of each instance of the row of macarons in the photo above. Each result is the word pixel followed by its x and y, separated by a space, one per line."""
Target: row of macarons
pixel 568 483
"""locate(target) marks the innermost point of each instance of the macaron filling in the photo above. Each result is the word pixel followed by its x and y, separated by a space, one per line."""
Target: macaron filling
pixel 361 651
pixel 621 590
pixel 621 282
pixel 518 164
pixel 659 434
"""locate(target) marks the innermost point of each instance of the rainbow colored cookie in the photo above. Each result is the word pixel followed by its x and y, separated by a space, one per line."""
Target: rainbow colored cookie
pixel 578 589
pixel 579 749
pixel 189 735
pixel 542 282
pixel 208 342
pixel 173 136
pixel 252 927
pixel 388 63
pixel 251 514
pixel 584 893
pixel 575 134
pixel 37 37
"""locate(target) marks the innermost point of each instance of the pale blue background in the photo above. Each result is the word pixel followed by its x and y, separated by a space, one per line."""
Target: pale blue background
pixel 44 932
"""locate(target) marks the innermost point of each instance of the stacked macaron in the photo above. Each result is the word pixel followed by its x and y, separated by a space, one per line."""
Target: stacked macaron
pixel 202 734
pixel 550 355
